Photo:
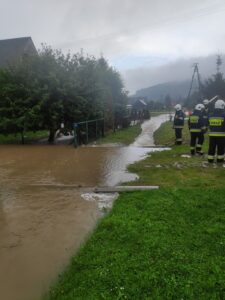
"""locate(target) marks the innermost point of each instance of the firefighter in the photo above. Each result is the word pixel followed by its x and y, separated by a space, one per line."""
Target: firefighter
pixel 205 111
pixel 217 132
pixel 178 123
pixel 197 127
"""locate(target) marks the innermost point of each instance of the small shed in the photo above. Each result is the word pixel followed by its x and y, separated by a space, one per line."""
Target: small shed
pixel 140 104
pixel 140 109
pixel 13 50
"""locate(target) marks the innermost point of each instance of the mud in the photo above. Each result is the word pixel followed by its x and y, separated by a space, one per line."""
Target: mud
pixel 42 226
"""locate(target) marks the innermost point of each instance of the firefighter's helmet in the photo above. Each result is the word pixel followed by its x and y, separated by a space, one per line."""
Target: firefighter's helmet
pixel 177 107
pixel 199 107
pixel 219 104
pixel 205 101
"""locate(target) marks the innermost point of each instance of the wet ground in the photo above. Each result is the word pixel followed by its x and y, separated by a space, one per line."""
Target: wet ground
pixel 42 224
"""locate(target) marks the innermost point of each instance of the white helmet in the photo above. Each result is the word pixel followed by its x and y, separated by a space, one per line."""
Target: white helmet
pixel 177 107
pixel 219 104
pixel 205 101
pixel 199 107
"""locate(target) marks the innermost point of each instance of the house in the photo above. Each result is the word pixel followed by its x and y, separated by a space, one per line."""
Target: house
pixel 140 109
pixel 13 50
pixel 140 104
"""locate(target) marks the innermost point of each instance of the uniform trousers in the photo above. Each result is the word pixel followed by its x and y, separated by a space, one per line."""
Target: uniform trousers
pixel 216 145
pixel 197 140
pixel 178 135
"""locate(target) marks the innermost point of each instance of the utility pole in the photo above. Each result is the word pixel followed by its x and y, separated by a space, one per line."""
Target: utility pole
pixel 218 63
pixel 195 74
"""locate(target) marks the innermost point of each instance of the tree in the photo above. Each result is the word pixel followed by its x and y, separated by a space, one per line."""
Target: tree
pixel 214 85
pixel 168 102
pixel 19 108
pixel 44 90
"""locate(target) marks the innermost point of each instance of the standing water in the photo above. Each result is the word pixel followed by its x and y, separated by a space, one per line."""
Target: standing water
pixel 43 223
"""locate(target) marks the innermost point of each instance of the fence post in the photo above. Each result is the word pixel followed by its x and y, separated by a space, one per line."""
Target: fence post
pixel 103 128
pixel 96 129
pixel 75 135
pixel 86 132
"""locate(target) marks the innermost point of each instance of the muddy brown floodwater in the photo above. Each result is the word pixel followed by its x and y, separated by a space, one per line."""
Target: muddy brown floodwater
pixel 42 223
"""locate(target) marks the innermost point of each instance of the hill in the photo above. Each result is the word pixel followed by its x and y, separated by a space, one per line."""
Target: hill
pixel 176 90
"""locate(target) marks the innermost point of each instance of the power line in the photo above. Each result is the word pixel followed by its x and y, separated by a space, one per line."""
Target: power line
pixel 195 73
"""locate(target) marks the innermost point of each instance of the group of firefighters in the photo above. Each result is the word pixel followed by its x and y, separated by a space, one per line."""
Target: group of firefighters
pixel 201 121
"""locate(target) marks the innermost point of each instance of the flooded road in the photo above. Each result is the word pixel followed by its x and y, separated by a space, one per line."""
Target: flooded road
pixel 42 223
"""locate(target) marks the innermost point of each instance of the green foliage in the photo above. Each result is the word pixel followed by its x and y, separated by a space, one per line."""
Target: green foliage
pixel 45 90
pixel 215 85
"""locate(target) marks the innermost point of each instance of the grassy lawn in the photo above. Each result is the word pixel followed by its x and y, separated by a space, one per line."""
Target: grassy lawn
pixel 161 244
pixel 169 168
pixel 124 136
pixel 29 136
pixel 166 244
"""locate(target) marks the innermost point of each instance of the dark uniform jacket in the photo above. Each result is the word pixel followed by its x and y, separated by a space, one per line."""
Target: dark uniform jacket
pixel 178 119
pixel 196 122
pixel 216 123
pixel 205 115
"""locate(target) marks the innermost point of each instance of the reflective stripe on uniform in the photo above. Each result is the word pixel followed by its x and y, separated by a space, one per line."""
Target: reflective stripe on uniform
pixel 216 118
pixel 192 148
pixel 210 157
pixel 195 130
pixel 220 156
pixel 199 146
pixel 178 127
pixel 179 140
pixel 216 133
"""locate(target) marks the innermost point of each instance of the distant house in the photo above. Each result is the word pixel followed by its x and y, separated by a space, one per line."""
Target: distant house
pixel 140 104
pixel 13 50
pixel 140 109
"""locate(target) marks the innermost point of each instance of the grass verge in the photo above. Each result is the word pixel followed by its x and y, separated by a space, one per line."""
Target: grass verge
pixel 162 244
pixel 173 168
pixel 165 244
pixel 29 136
pixel 124 136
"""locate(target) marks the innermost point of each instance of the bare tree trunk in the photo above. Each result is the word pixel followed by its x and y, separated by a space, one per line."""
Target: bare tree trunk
pixel 22 138
pixel 51 137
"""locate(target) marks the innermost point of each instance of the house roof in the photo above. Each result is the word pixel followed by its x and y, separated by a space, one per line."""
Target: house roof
pixel 11 50
pixel 140 104
pixel 143 102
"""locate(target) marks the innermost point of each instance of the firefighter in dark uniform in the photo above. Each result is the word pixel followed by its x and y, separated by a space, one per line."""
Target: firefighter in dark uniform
pixel 217 132
pixel 197 127
pixel 205 111
pixel 178 123
pixel 205 115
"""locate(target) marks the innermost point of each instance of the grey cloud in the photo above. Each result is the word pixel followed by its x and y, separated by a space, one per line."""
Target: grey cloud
pixel 121 28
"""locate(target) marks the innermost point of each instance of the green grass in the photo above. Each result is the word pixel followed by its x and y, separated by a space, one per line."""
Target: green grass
pixel 29 137
pixel 169 168
pixel 165 244
pixel 161 244
pixel 123 136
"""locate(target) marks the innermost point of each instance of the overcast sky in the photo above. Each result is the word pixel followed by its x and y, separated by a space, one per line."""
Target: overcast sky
pixel 147 40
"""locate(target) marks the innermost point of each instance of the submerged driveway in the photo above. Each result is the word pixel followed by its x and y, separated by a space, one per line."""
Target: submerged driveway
pixel 43 222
